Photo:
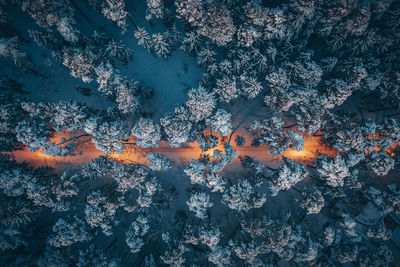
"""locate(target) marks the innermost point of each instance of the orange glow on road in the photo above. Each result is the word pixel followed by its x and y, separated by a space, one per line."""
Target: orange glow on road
pixel 313 147
pixel 210 152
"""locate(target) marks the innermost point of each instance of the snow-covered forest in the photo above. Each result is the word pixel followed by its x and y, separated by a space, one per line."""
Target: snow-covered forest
pixel 200 133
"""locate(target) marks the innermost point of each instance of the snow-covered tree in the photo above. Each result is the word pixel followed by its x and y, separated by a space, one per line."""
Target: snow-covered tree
pixel 308 116
pixel 313 202
pixel 218 25
pixel 296 140
pixel 42 194
pixel 250 87
pixel 80 63
pixel 51 13
pixel 67 233
pixel 125 97
pixel 115 11
pixel 349 224
pixel 109 135
pixel 249 162
pixel 120 51
pixel 136 232
pixel 207 142
pixel 210 235
pixel 379 230
pixel 177 126
pixel 215 182
pixel 190 10
pixel 62 114
pixel 129 176
pixel 304 249
pixel 348 138
pixel 17 212
pixel 65 188
pixel 329 235
pixel 243 197
pixel 11 48
pixel 158 162
pixel 387 200
pixel 155 8
pixel 240 141
pixel 337 91
pixel 161 45
pixel 332 170
pixel 147 133
pixel 199 202
pixel 33 134
pixel 191 42
pixel 191 234
pixel 247 251
pixel 143 38
pixel 275 233
pixel 220 256
pixel 97 168
pixel 281 98
pixel 13 178
pixel 271 134
pixel 220 122
pixel 200 104
pixel 196 172
pixel 345 252
pixel 206 56
pixel 174 255
pixel 105 78
pixel 288 174
pixel 221 158
pixel 380 163
pixel 99 212
pixel 147 192
pixel 226 89
pixel 247 35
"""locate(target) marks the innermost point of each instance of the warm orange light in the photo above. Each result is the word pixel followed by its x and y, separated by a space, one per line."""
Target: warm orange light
pixel 313 146
pixel 210 152
pixel 378 148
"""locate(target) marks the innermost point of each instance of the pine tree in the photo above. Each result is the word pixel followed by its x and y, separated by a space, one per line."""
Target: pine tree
pixel 68 233
pixel 220 122
pixel 147 133
pixel 243 197
pixel 200 104
pixel 161 45
pixel 226 89
pixel 288 174
pixel 143 38
pixel 199 203
pixel 115 11
pixel 48 14
pixel 155 8
pixel 134 236
pixel 313 202
pixel 177 126
pixel 120 51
